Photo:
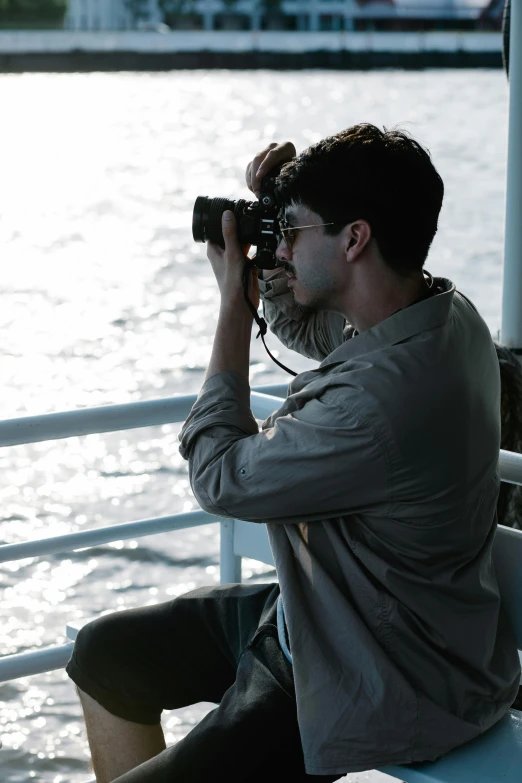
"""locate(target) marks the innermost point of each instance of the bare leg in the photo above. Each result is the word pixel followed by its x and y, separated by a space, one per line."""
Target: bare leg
pixel 117 745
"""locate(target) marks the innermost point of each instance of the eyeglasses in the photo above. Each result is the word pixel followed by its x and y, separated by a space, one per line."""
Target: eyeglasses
pixel 289 233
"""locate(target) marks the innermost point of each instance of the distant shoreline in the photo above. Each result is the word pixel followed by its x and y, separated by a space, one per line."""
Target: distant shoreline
pixel 71 51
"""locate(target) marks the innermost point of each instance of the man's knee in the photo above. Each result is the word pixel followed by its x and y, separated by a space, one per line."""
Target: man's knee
pixel 97 643
pixel 102 654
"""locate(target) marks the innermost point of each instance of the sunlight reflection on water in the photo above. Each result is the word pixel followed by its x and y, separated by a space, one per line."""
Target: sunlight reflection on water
pixel 106 299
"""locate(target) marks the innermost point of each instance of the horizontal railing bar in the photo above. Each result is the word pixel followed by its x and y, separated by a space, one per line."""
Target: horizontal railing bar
pixel 274 389
pixel 263 405
pixel 113 418
pixel 87 421
pixel 104 535
pixel 510 466
pixel 34 662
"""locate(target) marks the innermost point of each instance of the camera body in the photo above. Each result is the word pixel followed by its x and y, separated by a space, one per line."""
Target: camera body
pixel 257 222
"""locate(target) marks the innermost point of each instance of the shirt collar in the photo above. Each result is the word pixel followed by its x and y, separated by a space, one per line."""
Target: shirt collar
pixel 419 317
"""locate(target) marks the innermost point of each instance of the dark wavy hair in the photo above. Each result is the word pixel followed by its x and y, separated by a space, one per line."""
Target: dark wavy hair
pixel 384 177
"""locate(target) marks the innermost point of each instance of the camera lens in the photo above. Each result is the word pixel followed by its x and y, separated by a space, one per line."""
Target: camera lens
pixel 206 218
pixel 256 222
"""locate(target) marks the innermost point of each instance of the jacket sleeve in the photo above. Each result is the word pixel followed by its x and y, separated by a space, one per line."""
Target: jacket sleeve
pixel 314 336
pixel 318 462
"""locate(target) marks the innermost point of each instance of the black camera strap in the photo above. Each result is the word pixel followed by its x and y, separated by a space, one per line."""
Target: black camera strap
pixel 260 321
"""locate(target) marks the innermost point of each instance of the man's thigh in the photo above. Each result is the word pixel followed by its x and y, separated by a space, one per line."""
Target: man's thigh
pixel 251 737
pixel 138 662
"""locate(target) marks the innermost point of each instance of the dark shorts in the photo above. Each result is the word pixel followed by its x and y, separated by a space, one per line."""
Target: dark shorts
pixel 215 644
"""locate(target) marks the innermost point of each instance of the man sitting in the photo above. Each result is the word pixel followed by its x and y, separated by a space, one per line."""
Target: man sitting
pixel 384 642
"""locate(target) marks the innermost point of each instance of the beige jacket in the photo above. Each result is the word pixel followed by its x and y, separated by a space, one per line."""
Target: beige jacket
pixel 378 480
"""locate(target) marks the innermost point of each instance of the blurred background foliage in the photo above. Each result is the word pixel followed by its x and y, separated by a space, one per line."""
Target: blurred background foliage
pixel 27 14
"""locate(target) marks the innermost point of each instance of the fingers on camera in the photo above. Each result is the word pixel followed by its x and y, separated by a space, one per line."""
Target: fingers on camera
pixel 266 160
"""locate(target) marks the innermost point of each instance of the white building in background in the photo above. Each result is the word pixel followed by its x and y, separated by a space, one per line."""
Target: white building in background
pixel 300 14
pixel 106 15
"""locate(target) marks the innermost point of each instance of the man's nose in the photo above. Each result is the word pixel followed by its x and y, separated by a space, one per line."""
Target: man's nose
pixel 282 252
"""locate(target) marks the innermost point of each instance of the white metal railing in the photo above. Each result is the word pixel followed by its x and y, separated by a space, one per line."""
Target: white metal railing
pixel 111 418
pixel 510 465
pixel 512 268
pixel 103 535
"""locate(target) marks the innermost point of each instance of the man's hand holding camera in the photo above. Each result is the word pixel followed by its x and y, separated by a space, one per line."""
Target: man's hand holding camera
pixel 257 220
pixel 231 350
pixel 228 265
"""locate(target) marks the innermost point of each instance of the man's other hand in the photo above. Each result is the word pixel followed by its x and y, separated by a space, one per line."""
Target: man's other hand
pixel 272 156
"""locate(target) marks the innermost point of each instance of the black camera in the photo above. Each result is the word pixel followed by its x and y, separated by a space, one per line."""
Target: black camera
pixel 257 222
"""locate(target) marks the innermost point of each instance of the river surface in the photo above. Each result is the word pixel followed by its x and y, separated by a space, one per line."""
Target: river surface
pixel 105 299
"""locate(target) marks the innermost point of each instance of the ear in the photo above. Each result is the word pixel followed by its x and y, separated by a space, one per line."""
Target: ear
pixel 358 235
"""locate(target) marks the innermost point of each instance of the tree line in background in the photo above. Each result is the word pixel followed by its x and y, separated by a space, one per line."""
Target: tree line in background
pixel 26 11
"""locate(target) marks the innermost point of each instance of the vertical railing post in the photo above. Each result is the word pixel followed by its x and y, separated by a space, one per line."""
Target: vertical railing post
pixel 229 563
pixel 511 333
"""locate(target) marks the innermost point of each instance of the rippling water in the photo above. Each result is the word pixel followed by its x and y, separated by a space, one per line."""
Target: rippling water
pixel 106 299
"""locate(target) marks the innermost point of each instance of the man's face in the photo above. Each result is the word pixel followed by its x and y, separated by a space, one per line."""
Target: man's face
pixel 315 260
